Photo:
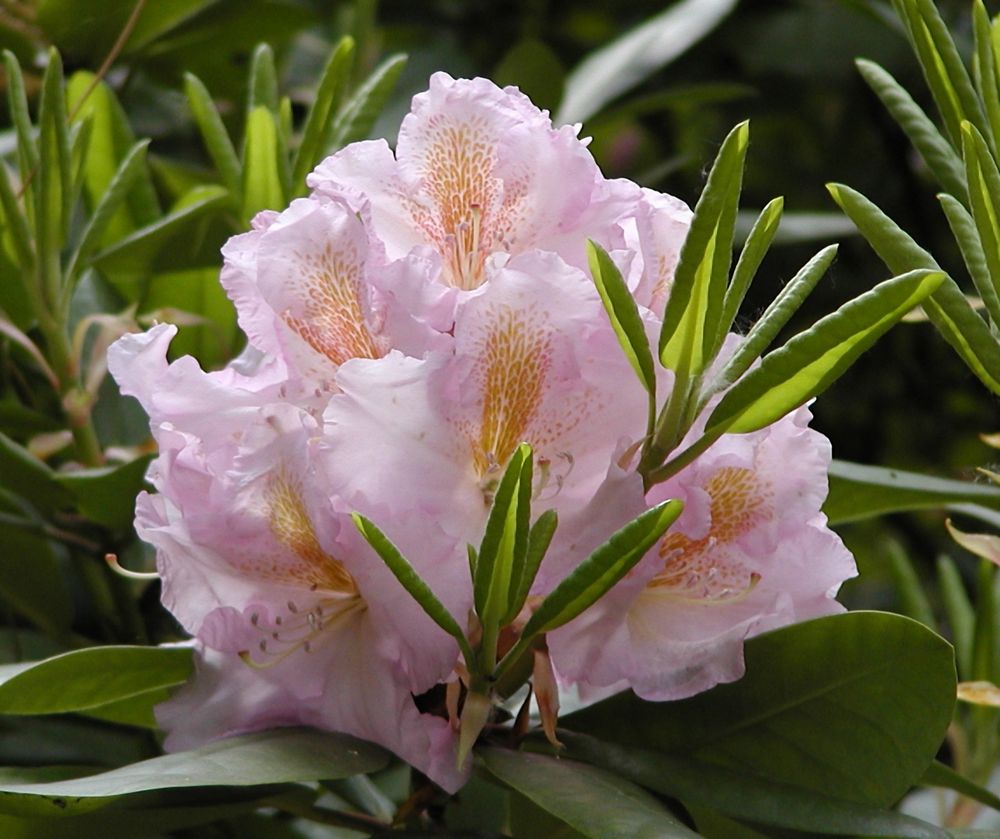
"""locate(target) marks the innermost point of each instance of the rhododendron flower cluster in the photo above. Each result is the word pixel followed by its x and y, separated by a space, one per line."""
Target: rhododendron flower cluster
pixel 412 321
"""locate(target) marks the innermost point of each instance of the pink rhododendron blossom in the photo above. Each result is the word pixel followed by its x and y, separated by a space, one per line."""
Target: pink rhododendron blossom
pixel 410 323
pixel 750 552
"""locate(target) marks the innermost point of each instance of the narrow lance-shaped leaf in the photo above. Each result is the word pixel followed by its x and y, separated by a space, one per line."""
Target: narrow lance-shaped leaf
pixel 623 313
pixel 521 540
pixel 412 582
pixel 501 544
pixel 910 590
pixel 17 101
pixel 16 222
pixel 319 120
pixel 699 286
pixel 262 188
pixel 984 69
pixel 53 181
pixel 359 113
pixel 959 612
pixel 944 72
pixel 754 250
pixel 984 193
pixel 939 774
pixel 766 329
pixel 963 228
pixel 602 569
pixel 539 539
pixel 948 309
pixel 262 89
pixel 214 135
pixel 128 172
pixel 939 155
pixel 812 360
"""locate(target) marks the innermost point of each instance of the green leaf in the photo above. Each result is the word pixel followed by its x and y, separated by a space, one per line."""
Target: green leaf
pixel 775 317
pixel 944 72
pixel 693 315
pixel 948 308
pixel 742 795
pixel 624 314
pixel 262 188
pixel 535 69
pixel 984 193
pixel 984 68
pixel 939 774
pixel 593 801
pixel 356 118
pixel 53 182
pixel 858 492
pixel 504 538
pixel 539 539
pixel 106 494
pixel 628 60
pixel 959 612
pixel 262 91
pixel 851 706
pixel 913 600
pixel 284 755
pixel 963 228
pixel 17 102
pixel 939 155
pixel 812 360
pixel 33 580
pixel 33 479
pixel 758 241
pixel 319 120
pixel 214 135
pixel 82 680
pixel 16 223
pixel 134 710
pixel 593 577
pixel 412 582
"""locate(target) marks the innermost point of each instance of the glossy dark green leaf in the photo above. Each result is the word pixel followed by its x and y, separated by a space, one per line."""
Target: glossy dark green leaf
pixel 858 491
pixel 852 706
pixel 319 119
pixel 356 118
pixel 948 308
pixel 33 580
pixel 284 755
pixel 811 361
pixel 106 494
pixel 85 679
pixel 593 577
pixel 623 312
pixel 613 69
pixel 595 802
pixel 30 477
pixel 939 155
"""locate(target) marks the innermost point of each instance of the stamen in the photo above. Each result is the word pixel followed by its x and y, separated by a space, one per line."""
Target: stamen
pixel 112 560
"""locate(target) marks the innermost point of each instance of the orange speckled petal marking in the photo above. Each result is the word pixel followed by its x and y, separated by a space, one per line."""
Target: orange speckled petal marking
pixel 704 569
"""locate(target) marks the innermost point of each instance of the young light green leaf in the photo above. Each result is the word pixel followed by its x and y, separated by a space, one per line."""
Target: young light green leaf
pixel 948 308
pixel 214 135
pixel 131 169
pixel 984 193
pixel 262 90
pixel 17 101
pixel 262 189
pixel 812 360
pixel 622 64
pixel 595 802
pixel 319 120
pixel 356 118
pixel 694 307
pixel 963 228
pixel 53 182
pixel 623 313
pixel 743 795
pixel 984 69
pixel 412 582
pixel 939 155
pixel 766 329
pixel 539 539
pixel 868 695
pixel 858 491
pixel 941 63
pixel 754 250
pixel 504 544
pixel 85 679
pixel 959 612
pixel 595 576
pixel 281 755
